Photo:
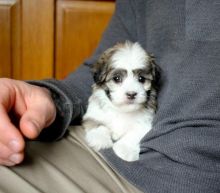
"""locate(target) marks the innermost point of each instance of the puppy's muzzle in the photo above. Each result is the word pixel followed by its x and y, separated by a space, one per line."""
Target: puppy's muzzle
pixel 131 95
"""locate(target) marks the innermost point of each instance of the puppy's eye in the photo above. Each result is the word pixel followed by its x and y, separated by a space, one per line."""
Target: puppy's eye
pixel 141 79
pixel 117 79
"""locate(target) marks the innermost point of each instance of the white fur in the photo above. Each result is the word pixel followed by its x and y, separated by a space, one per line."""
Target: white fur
pixel 130 57
pixel 122 123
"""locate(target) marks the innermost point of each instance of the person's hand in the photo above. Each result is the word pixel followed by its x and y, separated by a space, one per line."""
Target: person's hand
pixel 24 111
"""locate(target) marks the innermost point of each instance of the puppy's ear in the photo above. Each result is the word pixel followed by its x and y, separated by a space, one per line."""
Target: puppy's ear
pixel 152 93
pixel 102 67
pixel 155 71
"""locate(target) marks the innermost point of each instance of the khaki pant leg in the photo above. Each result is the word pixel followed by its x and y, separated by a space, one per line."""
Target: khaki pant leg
pixel 66 166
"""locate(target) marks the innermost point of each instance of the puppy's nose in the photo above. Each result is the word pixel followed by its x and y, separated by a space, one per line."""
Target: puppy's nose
pixel 131 95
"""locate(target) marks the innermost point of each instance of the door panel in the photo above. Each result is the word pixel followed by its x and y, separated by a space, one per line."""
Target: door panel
pixel 79 27
pixel 37 39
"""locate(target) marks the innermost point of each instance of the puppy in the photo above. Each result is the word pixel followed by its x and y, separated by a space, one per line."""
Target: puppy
pixel 123 103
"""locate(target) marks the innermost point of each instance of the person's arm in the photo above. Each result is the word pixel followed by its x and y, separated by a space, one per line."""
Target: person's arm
pixel 72 93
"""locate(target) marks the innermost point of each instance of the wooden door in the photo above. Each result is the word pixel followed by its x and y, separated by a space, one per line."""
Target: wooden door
pixel 49 38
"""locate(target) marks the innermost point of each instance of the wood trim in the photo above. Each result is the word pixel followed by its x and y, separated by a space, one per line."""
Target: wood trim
pixel 7 2
pixel 16 39
pixel 7 9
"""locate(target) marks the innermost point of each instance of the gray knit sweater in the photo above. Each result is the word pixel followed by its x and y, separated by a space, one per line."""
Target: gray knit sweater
pixel 182 152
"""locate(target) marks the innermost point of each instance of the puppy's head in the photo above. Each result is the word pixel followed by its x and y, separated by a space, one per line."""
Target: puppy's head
pixel 129 77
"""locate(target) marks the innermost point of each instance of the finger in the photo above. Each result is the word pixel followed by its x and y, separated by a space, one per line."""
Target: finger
pixel 12 160
pixel 6 155
pixel 9 134
pixel 16 158
pixel 6 163
pixel 5 152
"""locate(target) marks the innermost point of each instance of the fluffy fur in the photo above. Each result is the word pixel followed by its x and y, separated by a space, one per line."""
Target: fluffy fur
pixel 123 103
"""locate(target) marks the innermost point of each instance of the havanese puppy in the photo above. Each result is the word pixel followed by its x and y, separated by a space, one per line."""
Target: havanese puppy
pixel 123 103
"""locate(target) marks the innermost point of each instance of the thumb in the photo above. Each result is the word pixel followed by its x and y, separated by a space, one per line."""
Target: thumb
pixel 34 120
pixel 30 126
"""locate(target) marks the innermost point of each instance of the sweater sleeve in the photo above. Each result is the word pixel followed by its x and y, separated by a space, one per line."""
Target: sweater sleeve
pixel 71 94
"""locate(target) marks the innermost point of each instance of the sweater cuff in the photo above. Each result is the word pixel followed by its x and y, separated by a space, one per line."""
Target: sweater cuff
pixel 66 109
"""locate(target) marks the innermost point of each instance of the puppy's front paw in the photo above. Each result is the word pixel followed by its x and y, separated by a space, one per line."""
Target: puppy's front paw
pixel 126 152
pixel 99 138
pixel 116 136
